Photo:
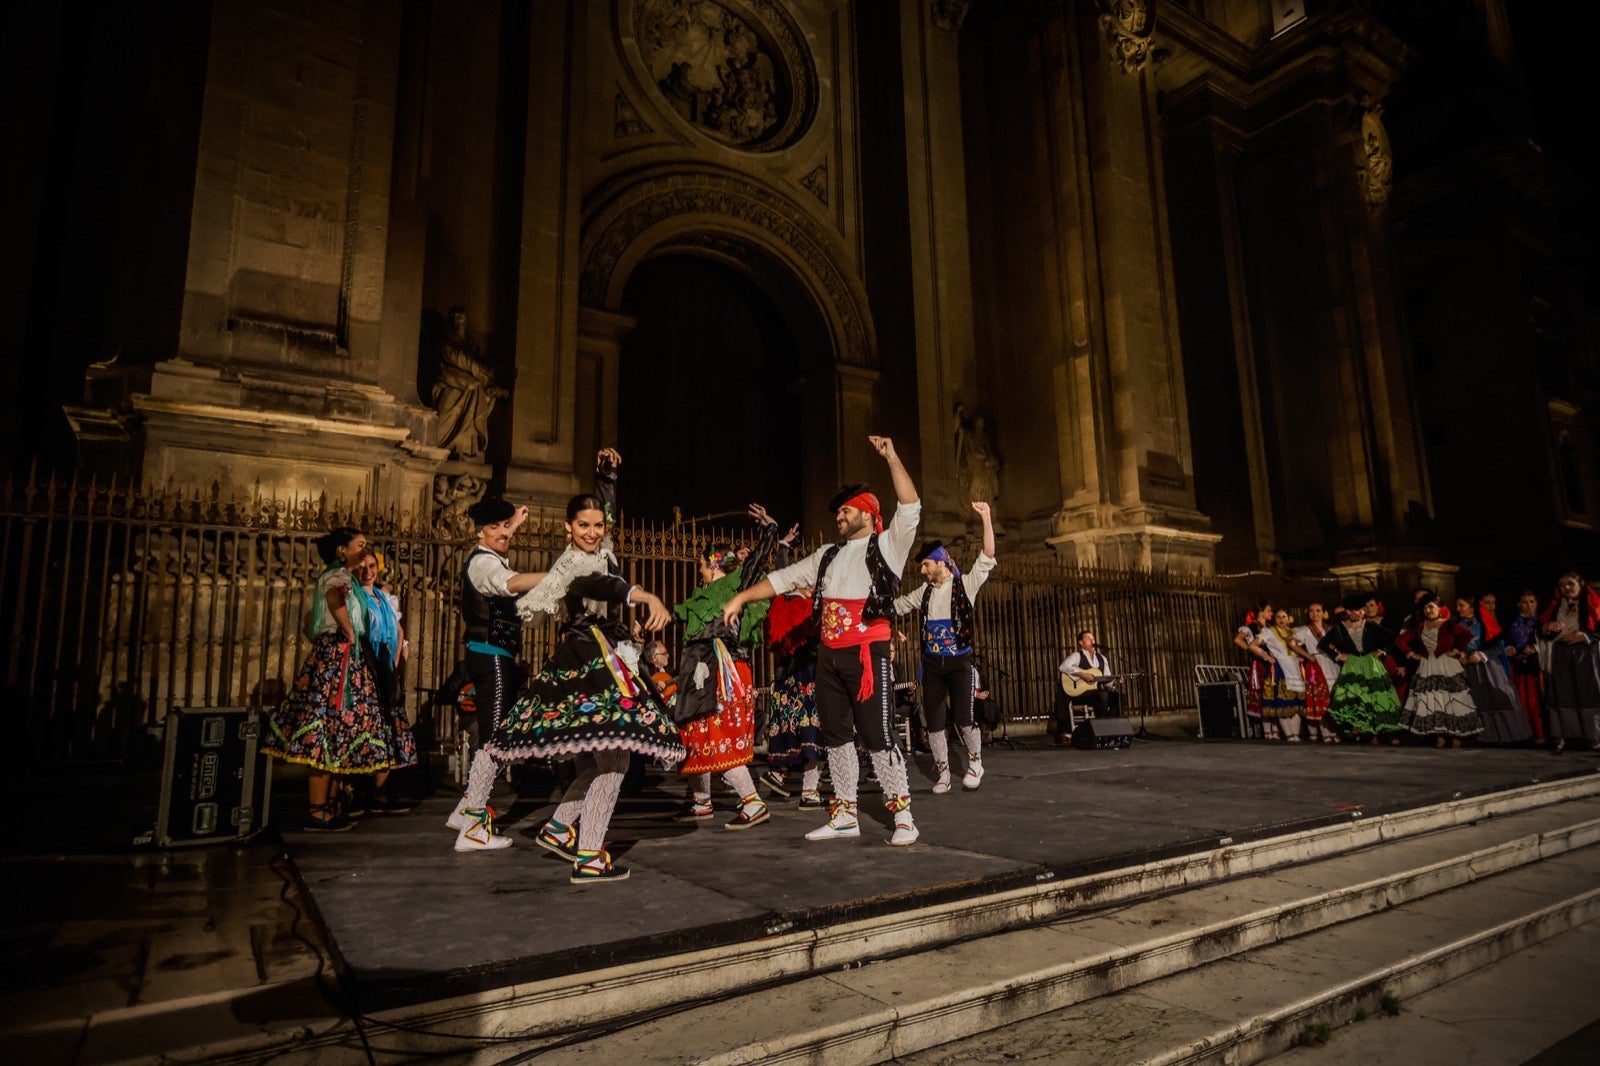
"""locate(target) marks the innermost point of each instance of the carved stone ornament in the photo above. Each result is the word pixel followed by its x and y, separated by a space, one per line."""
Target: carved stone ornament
pixel 948 14
pixel 816 182
pixel 629 123
pixel 738 71
pixel 452 495
pixel 1129 25
pixel 1376 164
pixel 977 466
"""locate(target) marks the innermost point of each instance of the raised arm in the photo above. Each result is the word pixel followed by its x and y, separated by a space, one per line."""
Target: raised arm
pixel 905 491
pixel 988 526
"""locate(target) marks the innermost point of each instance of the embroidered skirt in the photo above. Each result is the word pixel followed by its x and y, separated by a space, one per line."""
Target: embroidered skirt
pixel 334 720
pixel 794 732
pixel 1438 703
pixel 1317 691
pixel 1278 700
pixel 1252 693
pixel 586 699
pixel 1363 700
pixel 727 738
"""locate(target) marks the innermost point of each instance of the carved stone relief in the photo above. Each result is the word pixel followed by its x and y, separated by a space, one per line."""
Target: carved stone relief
pixel 1129 25
pixel 629 123
pixel 452 495
pixel 816 182
pixel 738 71
pixel 700 203
pixel 977 466
pixel 1376 164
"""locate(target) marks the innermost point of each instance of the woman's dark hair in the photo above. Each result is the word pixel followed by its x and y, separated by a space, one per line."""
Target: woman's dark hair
pixel 726 562
pixel 584 501
pixel 329 543
pixel 1424 600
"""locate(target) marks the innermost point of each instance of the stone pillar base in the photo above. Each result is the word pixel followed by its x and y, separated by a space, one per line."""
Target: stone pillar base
pixel 1403 574
pixel 1140 538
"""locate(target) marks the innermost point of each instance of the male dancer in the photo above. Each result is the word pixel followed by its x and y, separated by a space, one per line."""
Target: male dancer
pixel 856 583
pixel 489 591
pixel 948 676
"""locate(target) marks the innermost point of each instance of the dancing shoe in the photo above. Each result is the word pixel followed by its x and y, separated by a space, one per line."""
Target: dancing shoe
pixel 695 811
pixel 749 814
pixel 563 843
pixel 458 819
pixel 905 830
pixel 973 777
pixel 811 801
pixel 596 867
pixel 480 835
pixel 942 784
pixel 326 819
pixel 841 823
pixel 775 783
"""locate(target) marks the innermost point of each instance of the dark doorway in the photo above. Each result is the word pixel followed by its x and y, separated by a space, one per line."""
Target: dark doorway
pixel 712 395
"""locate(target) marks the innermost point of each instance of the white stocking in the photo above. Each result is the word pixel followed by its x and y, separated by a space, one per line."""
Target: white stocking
pixel 811 777
pixel 845 770
pixel 601 799
pixel 739 780
pixel 480 779
pixel 700 787
pixel 939 744
pixel 973 740
pixel 571 805
pixel 891 770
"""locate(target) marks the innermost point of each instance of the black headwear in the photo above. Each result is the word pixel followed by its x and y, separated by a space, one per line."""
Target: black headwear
pixel 489 510
pixel 928 548
pixel 1355 601
pixel 846 494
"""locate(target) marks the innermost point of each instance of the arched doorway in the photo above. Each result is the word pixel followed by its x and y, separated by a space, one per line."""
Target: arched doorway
pixel 713 382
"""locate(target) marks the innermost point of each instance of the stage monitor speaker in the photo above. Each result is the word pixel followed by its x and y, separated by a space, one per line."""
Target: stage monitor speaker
pixel 1219 709
pixel 1103 733
pixel 216 782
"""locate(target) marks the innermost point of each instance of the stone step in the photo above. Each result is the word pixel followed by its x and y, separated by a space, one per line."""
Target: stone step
pixel 600 998
pixel 1252 1007
pixel 894 1007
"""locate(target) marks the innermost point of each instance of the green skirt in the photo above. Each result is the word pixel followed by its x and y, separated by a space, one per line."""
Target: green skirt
pixel 1364 699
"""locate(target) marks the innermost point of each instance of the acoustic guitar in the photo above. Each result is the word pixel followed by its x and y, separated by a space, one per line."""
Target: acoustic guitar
pixel 1075 686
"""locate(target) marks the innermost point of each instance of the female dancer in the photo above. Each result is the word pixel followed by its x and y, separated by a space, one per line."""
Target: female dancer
pixel 1569 628
pixel 715 704
pixel 1504 721
pixel 332 719
pixel 1437 703
pixel 384 647
pixel 591 699
pixel 1522 649
pixel 1283 693
pixel 1260 665
pixel 1363 701
pixel 1320 671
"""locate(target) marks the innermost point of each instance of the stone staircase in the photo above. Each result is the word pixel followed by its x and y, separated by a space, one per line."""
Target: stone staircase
pixel 1226 955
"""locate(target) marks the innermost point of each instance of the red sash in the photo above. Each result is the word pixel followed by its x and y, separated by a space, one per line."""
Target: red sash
pixel 843 627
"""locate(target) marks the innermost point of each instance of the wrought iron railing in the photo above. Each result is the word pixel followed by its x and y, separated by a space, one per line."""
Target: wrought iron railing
pixel 120 603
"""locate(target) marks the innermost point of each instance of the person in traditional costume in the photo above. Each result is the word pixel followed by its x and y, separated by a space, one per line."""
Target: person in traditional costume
pixel 794 732
pixel 1283 693
pixel 855 584
pixel 1438 702
pixel 715 704
pixel 948 679
pixel 1504 721
pixel 384 647
pixel 1363 702
pixel 1319 670
pixel 591 700
pixel 1522 652
pixel 488 595
pixel 332 719
pixel 1260 665
pixel 1569 648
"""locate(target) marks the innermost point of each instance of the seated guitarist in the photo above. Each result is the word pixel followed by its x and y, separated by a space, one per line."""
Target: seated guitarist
pixel 1083 666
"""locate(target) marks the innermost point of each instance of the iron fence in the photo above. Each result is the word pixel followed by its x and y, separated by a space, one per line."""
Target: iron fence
pixel 120 604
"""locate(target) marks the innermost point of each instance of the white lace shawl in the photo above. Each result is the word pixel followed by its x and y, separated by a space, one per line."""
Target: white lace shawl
pixel 546 597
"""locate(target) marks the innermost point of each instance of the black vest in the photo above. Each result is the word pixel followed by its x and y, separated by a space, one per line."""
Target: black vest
pixel 490 619
pixel 960 611
pixel 885 583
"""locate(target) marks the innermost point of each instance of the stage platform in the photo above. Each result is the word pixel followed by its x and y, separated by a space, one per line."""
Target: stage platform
pixel 411 920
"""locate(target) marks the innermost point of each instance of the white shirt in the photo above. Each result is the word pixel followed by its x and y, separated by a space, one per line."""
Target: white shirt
pixel 939 603
pixel 489 571
pixel 1085 660
pixel 848 577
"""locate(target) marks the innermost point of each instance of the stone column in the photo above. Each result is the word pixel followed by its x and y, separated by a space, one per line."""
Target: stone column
pixel 1140 509
pixel 598 378
pixel 543 402
pixel 941 280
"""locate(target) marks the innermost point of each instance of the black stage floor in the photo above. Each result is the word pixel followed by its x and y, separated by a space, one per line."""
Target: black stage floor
pixel 411 920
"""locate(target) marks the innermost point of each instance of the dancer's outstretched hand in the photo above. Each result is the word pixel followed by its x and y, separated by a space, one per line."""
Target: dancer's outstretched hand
pixel 759 513
pixel 981 507
pixel 608 455
pixel 788 538
pixel 730 612
pixel 656 614
pixel 882 445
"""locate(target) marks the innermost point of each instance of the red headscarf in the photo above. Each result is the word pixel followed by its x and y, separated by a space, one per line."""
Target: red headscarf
pixel 1588 599
pixel 1491 625
pixel 866 501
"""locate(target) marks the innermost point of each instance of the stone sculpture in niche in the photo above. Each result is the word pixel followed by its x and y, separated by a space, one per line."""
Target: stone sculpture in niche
pixel 977 467
pixel 452 495
pixel 1376 163
pixel 465 393
pixel 1128 25
pixel 711 67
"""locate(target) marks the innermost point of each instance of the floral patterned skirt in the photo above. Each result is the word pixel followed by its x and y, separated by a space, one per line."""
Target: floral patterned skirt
pixel 721 741
pixel 1252 692
pixel 1317 692
pixel 1278 700
pixel 794 732
pixel 333 718
pixel 585 700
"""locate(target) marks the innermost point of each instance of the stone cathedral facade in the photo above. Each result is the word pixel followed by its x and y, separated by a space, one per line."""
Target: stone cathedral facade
pixel 1128 268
